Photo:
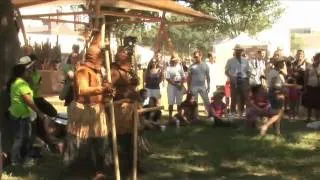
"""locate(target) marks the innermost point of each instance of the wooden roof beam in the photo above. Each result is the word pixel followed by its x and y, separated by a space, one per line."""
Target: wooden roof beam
pixel 134 22
pixel 129 15
pixel 196 21
pixel 54 14
pixel 57 20
pixel 31 3
pixel 172 7
pixel 155 21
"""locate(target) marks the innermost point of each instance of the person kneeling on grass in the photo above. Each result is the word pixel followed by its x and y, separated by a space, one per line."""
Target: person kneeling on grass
pixel 277 88
pixel 188 110
pixel 258 106
pixel 217 110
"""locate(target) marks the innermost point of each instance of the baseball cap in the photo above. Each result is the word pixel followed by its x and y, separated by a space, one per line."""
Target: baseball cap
pixel 25 60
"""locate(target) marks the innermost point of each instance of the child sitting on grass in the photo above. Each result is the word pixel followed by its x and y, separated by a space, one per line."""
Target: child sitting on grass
pixel 188 109
pixel 217 110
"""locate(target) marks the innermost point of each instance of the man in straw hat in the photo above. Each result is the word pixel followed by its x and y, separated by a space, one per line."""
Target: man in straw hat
pixel 175 77
pixel 237 69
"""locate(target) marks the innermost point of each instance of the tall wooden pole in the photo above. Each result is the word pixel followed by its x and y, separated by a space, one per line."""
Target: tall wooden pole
pixel 19 18
pixel 9 53
pixel 159 37
pixel 135 142
pixel 112 120
pixel 1 160
pixel 108 70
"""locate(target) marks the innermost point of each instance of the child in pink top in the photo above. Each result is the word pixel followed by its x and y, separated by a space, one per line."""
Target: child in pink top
pixel 217 106
pixel 218 109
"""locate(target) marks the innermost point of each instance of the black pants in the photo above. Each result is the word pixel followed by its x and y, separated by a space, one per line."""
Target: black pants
pixel 239 90
pixel 126 152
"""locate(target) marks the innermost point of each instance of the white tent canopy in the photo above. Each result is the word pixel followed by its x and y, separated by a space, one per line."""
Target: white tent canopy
pixel 223 51
pixel 242 39
pixel 144 55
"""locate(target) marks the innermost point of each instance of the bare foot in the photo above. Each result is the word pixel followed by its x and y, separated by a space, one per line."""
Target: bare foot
pixel 99 176
pixel 263 130
pixel 278 133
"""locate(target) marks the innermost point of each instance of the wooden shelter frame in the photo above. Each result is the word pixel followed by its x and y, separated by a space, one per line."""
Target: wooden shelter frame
pixel 98 14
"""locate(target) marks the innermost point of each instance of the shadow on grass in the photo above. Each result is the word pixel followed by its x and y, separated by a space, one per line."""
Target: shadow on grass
pixel 49 167
pixel 202 152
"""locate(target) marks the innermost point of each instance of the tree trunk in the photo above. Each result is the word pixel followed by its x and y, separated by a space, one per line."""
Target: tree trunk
pixel 9 53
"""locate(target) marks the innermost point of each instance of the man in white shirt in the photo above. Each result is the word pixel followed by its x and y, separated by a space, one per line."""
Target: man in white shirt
pixel 212 70
pixel 257 68
pixel 199 79
pixel 175 78
pixel 238 70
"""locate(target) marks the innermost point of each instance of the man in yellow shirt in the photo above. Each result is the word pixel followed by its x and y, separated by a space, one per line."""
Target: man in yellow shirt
pixel 20 111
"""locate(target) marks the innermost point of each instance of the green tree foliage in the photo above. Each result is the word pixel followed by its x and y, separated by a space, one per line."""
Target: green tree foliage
pixel 233 18
pixel 188 38
pixel 139 30
pixel 237 16
pixel 185 38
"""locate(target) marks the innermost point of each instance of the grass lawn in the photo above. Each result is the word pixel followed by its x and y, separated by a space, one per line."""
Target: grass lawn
pixel 203 152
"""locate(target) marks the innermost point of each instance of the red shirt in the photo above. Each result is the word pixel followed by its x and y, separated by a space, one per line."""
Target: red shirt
pixel 218 108
pixel 227 89
pixel 260 100
pixel 293 94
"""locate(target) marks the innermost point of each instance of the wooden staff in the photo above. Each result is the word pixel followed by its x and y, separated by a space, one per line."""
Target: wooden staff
pixel 135 136
pixel 1 160
pixel 143 110
pixel 113 124
pixel 135 141
pixel 19 18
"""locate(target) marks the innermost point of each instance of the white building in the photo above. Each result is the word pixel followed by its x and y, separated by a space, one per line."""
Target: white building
pixel 39 31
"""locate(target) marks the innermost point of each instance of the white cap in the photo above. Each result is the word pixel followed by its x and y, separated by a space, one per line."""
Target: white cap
pixel 25 60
